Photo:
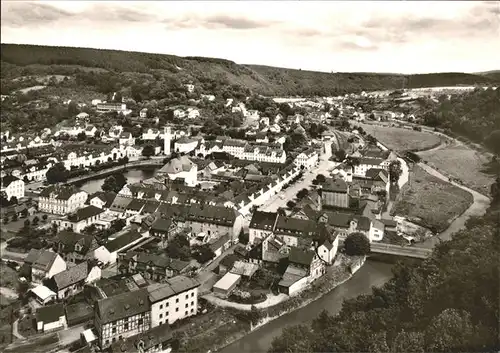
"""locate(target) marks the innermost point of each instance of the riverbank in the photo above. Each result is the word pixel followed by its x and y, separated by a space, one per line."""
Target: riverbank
pixel 218 338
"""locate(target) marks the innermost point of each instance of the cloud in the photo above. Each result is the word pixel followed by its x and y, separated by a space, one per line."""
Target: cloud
pixel 33 14
pixel 19 14
pixel 218 21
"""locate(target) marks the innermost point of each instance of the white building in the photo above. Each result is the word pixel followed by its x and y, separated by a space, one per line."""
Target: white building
pixel 61 200
pixel 174 300
pixel 12 186
pixel 181 168
pixel 111 107
pixel 365 164
pixel 150 134
pixel 307 159
pixel 185 144
pixel 328 250
pixel 126 139
pixel 81 219
pixel 50 318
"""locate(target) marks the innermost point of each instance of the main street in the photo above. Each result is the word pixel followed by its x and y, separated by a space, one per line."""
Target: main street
pixel 325 166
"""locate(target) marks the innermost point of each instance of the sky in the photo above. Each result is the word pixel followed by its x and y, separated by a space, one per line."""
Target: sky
pixel 330 36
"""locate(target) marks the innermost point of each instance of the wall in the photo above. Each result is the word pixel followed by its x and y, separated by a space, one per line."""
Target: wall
pixel 167 308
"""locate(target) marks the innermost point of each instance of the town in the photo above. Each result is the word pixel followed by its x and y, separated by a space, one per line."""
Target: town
pixel 298 191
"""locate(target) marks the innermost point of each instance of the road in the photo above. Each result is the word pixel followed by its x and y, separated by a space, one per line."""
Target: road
pixel 325 166
pixel 9 255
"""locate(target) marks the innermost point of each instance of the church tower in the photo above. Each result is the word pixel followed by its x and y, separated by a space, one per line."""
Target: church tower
pixel 168 137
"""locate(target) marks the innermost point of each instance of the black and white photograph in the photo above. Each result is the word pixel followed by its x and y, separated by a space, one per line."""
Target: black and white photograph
pixel 250 176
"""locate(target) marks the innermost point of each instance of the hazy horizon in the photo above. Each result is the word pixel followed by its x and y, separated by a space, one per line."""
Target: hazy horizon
pixel 376 37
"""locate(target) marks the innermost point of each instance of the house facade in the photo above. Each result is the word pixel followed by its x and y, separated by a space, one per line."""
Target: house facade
pixel 61 200
pixel 174 300
pixel 12 186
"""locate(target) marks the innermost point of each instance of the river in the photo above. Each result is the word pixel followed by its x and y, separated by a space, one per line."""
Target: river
pixel 132 175
pixel 372 273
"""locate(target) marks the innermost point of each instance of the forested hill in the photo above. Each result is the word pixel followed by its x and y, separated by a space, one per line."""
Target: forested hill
pixel 27 59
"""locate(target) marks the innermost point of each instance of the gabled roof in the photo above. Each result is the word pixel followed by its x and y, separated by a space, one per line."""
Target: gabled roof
pixel 162 224
pixel 338 219
pixel 59 192
pixel 335 185
pixel 41 259
pixel 120 203
pixel 263 220
pixel 177 165
pixel 173 286
pixel 8 179
pixel 147 340
pixel 136 205
pixel 301 256
pixel 122 241
pixel 72 275
pixel 106 197
pixel 123 305
pixel 85 213
pixel 69 239
pixel 49 314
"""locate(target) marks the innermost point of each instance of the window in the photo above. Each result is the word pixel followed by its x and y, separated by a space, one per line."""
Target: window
pixel 186 313
pixel 192 303
pixel 113 330
pixel 166 305
pixel 126 327
pixel 161 322
pixel 161 306
pixel 140 322
pixel 161 316
pixel 113 340
pixel 186 305
pixel 176 309
pixel 107 342
pixel 187 296
pixel 192 311
pixel 177 300
pixel 192 294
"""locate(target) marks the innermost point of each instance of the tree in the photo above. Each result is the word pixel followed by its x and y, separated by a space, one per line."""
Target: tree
pixel 114 183
pixel 357 244
pixel 395 171
pixel 35 220
pixel 302 193
pixel 293 339
pixel 117 225
pixel 14 217
pixel 13 200
pixel 320 178
pixel 57 174
pixel 81 136
pixel 179 248
pixel 340 155
pixel 6 220
pixel 411 342
pixel 202 253
pixel 449 331
pixel 493 141
pixel 148 151
pixel 24 213
pixel 26 223
pixel 290 204
pixel 44 217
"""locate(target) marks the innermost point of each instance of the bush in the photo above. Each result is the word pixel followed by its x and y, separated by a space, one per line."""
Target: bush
pixel 357 244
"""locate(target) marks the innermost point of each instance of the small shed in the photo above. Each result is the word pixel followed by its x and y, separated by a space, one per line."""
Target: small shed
pixel 226 284
pixel 244 269
pixel 43 295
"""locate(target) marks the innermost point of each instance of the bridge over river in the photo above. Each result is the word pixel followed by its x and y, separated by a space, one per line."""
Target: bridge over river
pixel 398 250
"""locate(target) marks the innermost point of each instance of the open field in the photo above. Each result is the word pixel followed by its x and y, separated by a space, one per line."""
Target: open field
pixel 399 139
pixel 431 202
pixel 461 162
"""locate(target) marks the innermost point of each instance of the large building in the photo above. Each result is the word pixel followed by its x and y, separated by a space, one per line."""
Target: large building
pixel 121 316
pixel 335 193
pixel 181 168
pixel 174 300
pixel 12 187
pixel 61 200
pixel 262 225
pixel 111 107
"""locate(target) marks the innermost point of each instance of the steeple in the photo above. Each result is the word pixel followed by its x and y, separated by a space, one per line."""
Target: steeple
pixel 168 136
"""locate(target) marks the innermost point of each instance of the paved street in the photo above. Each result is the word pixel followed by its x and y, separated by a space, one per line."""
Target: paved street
pixel 324 167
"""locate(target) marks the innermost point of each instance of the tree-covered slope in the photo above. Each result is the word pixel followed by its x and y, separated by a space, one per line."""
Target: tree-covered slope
pixel 260 79
pixel 448 303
